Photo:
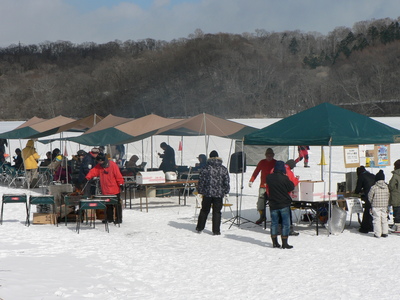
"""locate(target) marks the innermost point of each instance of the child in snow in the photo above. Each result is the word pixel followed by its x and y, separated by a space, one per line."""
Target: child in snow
pixel 379 197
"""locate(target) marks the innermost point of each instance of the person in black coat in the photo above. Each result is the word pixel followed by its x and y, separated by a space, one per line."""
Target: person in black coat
pixel 365 180
pixel 168 158
pixel 279 186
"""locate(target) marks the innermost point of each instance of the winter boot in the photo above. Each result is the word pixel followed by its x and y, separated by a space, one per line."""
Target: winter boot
pixel 306 165
pixel 275 243
pixel 285 244
pixel 262 217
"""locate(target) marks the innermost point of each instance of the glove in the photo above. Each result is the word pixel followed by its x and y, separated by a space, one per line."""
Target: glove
pixel 250 184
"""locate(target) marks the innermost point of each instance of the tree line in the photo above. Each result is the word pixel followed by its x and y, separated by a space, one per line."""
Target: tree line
pixel 260 74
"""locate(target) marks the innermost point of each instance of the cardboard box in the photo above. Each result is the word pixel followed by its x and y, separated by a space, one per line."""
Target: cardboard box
pixel 89 214
pixel 40 218
pixel 315 191
pixel 150 177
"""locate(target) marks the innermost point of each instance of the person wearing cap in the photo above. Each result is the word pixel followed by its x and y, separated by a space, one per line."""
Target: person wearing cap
pixel 202 162
pixel 378 196
pixel 265 166
pixel 278 188
pixel 168 158
pixel 394 189
pixel 88 162
pixel 213 186
pixel 30 158
pixel 110 183
pixel 365 180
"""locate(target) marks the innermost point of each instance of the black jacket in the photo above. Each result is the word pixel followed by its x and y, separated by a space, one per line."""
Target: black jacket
pixel 279 186
pixel 364 182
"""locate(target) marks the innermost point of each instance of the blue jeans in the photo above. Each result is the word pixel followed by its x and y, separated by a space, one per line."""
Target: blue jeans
pixel 283 213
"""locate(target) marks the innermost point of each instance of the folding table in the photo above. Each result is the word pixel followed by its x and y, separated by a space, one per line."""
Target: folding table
pixel 9 198
pixel 42 199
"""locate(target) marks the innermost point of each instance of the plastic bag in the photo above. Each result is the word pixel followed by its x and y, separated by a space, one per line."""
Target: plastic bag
pixel 337 221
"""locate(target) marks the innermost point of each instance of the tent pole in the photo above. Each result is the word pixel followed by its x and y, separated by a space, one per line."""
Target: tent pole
pixel 329 185
pixel 152 149
pixel 182 151
pixel 205 132
pixel 322 167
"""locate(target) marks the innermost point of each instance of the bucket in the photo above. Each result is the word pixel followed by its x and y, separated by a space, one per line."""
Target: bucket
pixel 151 192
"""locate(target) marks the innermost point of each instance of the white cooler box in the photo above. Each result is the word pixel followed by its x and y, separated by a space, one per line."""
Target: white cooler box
pixel 150 177
pixel 315 191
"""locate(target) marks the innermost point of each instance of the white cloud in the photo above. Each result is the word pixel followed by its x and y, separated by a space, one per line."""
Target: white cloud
pixel 36 21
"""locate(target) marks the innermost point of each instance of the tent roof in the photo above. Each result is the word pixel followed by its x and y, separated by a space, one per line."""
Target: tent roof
pixel 35 129
pixel 82 124
pixel 109 121
pixel 318 125
pixel 30 122
pixel 205 124
pixel 125 132
pixel 74 126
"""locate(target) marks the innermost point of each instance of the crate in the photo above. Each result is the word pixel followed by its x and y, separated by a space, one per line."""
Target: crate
pixel 40 218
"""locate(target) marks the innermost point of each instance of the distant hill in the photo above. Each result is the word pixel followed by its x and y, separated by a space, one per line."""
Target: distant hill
pixel 232 76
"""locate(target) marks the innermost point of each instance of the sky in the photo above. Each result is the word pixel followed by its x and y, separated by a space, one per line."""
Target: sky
pixel 101 21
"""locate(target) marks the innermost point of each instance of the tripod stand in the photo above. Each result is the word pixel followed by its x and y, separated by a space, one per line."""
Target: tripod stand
pixel 237 219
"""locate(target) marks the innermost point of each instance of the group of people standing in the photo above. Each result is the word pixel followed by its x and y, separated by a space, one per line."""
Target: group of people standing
pixel 378 196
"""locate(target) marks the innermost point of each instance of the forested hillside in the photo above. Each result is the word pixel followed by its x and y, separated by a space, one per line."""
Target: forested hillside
pixel 261 74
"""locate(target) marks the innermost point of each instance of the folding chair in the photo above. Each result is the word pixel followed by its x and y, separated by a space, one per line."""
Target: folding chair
pixel 42 199
pixel 90 204
pixel 8 198
pixel 227 204
pixel 13 176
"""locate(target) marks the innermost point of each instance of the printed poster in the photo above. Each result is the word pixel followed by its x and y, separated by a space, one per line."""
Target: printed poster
pixel 351 156
pixel 381 155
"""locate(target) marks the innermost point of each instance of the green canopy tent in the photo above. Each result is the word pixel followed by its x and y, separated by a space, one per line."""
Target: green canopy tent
pixel 35 127
pixel 124 131
pixel 80 125
pixel 325 125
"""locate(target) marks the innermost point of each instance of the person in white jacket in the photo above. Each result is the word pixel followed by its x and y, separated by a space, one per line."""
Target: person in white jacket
pixel 379 197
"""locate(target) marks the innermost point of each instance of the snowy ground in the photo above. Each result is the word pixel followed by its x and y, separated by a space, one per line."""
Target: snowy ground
pixel 158 255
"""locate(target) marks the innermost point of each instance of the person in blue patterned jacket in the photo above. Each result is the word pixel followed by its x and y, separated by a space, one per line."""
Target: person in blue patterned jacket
pixel 213 185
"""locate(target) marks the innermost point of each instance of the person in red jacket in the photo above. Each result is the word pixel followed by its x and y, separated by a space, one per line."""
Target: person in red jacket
pixel 110 183
pixel 265 166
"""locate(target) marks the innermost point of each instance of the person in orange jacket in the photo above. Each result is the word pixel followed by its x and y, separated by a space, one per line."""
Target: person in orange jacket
pixel 110 182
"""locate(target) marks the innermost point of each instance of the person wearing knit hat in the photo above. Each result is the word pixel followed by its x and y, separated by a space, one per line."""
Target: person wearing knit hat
pixel 213 186
pixel 378 196
pixel 214 154
pixel 365 180
pixel 265 166
pixel 279 187
pixel 394 189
